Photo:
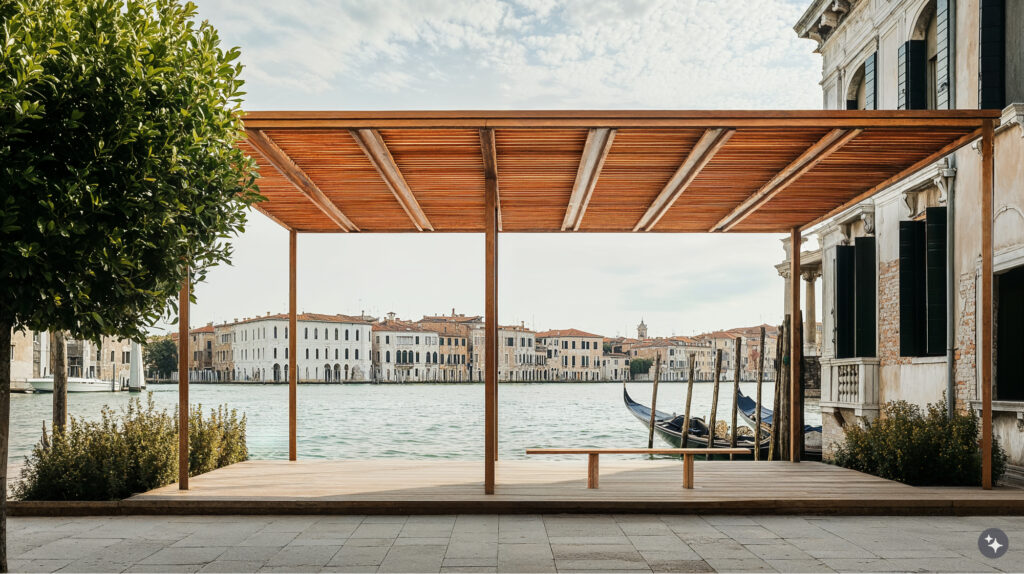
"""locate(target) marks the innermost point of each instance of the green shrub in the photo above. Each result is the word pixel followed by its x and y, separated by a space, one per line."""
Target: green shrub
pixel 923 449
pixel 127 452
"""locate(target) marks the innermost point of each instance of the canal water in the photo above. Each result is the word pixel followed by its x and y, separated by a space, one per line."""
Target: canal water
pixel 362 421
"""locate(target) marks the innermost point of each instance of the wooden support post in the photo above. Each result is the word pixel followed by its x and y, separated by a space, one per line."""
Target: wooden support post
pixel 592 470
pixel 183 406
pixel 293 356
pixel 795 346
pixel 654 401
pixel 714 400
pixel 689 399
pixel 688 471
pixel 757 407
pixel 490 334
pixel 987 279
pixel 735 392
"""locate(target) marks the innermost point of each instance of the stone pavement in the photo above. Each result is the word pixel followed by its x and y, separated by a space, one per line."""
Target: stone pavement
pixel 508 543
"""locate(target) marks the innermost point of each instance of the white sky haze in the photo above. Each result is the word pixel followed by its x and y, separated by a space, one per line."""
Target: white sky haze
pixel 518 54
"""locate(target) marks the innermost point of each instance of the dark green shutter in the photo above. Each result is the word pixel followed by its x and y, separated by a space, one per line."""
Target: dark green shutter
pixel 844 302
pixel 864 296
pixel 943 56
pixel 935 265
pixel 991 54
pixel 912 76
pixel 870 84
pixel 912 289
pixel 1009 349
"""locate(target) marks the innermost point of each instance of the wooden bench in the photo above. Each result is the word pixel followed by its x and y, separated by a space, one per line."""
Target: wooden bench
pixel 593 453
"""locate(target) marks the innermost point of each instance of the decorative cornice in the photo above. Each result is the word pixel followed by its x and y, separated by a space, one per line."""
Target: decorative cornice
pixel 821 19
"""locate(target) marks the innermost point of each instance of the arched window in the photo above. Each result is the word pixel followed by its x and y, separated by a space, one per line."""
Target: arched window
pixel 335 333
pixel 435 357
pixel 317 351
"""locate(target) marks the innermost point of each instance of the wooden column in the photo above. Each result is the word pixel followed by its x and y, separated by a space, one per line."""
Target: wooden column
pixel 490 334
pixel 796 403
pixel 293 356
pixel 183 406
pixel 987 189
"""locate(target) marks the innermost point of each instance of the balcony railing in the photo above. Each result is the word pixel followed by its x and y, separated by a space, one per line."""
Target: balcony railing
pixel 850 383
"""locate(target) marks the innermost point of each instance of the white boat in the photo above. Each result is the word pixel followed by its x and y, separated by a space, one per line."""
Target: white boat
pixel 75 385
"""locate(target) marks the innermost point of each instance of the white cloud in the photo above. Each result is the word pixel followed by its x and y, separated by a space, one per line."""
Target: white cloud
pixel 479 54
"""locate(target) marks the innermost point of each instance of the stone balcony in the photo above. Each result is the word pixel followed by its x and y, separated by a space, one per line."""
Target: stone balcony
pixel 850 384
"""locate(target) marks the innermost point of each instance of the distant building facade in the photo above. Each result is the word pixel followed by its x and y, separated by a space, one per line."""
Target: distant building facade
pixel 572 354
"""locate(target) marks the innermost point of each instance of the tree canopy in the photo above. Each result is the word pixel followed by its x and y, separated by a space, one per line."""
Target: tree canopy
pixel 161 354
pixel 118 124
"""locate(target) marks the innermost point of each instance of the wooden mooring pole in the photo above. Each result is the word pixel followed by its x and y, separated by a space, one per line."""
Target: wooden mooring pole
pixel 757 412
pixel 714 400
pixel 735 392
pixel 774 434
pixel 654 400
pixel 689 399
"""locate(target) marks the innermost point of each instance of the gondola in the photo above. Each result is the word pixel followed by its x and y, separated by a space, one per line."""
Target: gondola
pixel 669 429
pixel 748 407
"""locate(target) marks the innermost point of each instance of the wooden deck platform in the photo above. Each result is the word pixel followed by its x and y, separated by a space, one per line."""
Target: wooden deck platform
pixel 533 486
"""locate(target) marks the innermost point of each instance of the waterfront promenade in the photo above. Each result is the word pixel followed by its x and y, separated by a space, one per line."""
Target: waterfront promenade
pixel 503 543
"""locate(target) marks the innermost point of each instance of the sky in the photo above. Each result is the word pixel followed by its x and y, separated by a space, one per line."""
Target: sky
pixel 514 54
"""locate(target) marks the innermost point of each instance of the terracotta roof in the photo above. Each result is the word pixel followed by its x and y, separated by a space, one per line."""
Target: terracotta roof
pixel 200 330
pixel 307 317
pixel 451 319
pixel 401 327
pixel 568 333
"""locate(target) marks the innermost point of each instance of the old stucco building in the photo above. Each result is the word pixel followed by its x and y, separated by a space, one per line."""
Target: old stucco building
pixel 900 271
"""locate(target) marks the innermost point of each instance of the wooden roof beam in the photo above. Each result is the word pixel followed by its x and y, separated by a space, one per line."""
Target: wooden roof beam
pixel 489 152
pixel 595 150
pixel 294 174
pixel 705 149
pixel 270 216
pixel 377 152
pixel 812 156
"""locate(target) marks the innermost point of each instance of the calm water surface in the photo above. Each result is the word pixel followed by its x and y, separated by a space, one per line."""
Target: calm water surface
pixel 409 421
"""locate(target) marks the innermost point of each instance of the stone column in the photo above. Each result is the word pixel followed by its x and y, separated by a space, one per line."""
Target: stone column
pixel 810 325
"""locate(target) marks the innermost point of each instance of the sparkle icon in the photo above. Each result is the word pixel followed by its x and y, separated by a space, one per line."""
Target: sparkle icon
pixel 993 543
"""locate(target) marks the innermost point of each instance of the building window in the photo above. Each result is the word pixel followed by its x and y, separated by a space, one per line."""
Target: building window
pixel 335 334
pixel 357 334
pixel 923 285
pixel 357 354
pixel 346 334
pixel 855 299
pixel 275 355
pixel 305 333
pixel 307 354
pixel 1009 347
pixel 316 334
pixel 387 358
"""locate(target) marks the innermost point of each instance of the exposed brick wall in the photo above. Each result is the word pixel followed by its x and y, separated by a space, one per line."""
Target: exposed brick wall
pixel 966 351
pixel 889 314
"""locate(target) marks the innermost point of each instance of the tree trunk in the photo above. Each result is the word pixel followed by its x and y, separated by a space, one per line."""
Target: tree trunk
pixel 5 415
pixel 59 368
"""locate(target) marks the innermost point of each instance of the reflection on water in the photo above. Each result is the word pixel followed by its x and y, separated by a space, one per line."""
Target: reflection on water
pixel 411 421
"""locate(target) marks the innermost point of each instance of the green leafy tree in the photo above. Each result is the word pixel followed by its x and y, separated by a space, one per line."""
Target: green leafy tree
pixel 161 355
pixel 639 366
pixel 118 165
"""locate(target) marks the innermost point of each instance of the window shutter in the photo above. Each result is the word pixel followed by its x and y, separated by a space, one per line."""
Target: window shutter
pixel 870 85
pixel 991 54
pixel 935 265
pixel 912 289
pixel 864 296
pixel 943 57
pixel 1010 336
pixel 844 301
pixel 912 75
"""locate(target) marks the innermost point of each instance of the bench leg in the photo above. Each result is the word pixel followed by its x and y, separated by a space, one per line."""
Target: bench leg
pixel 592 470
pixel 687 471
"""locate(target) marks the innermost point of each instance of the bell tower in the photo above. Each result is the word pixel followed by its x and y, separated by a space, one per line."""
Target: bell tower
pixel 641 330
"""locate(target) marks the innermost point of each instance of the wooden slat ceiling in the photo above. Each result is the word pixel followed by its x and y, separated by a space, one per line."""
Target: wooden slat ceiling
pixel 664 171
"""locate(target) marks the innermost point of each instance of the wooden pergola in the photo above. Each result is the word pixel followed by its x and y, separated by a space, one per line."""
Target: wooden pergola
pixel 497 172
